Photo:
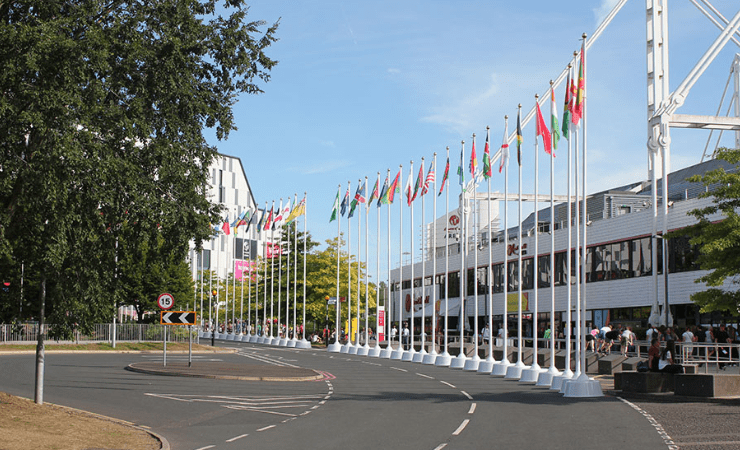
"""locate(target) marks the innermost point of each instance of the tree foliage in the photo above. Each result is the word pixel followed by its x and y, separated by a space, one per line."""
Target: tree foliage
pixel 719 240
pixel 102 114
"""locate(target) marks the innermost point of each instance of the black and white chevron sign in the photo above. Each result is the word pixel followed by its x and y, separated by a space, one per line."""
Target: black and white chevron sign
pixel 177 317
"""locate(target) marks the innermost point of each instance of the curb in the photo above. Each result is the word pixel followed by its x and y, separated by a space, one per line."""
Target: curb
pixel 318 376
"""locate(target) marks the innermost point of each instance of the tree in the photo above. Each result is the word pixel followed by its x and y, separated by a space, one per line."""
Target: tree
pixel 102 113
pixel 719 240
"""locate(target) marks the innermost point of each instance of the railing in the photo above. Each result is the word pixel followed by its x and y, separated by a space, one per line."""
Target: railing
pixel 126 332
pixel 704 354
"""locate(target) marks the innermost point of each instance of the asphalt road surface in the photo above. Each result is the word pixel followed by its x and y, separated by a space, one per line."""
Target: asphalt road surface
pixel 359 403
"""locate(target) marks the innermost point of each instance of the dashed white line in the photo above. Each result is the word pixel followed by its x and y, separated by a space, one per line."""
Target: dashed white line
pixel 472 408
pixel 461 427
pixel 267 427
pixel 400 370
pixel 448 384
pixel 425 376
pixel 235 438
pixel 441 446
pixel 204 448
pixel 467 395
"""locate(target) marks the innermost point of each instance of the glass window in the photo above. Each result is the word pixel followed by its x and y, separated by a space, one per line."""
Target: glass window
pixel 682 256
pixel 543 267
pixel 498 278
pixel 561 269
pixel 406 284
pixel 642 262
pixel 623 255
pixel 528 273
pixel 513 275
pixel 454 284
pixel 482 274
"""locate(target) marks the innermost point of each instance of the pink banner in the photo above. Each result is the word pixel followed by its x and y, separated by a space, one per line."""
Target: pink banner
pixel 381 325
pixel 241 266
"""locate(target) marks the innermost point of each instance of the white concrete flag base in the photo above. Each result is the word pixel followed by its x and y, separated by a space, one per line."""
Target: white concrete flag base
pixel 245 337
pixel 253 339
pixel 583 386
pixel 261 339
pixel 545 378
pixel 301 344
pixel 557 380
pixel 531 374
pixel 374 352
pixel 486 366
pixel 206 335
pixel 283 342
pixel 397 353
pixel 430 358
pixel 334 347
pixel 230 337
pixel 352 349
pixel 575 376
pixel 419 356
pixel 386 352
pixel 458 362
pixel 344 348
pixel 292 343
pixel 514 372
pixel 275 341
pixel 443 360
pixel 409 354
pixel 500 368
pixel 471 365
pixel 364 350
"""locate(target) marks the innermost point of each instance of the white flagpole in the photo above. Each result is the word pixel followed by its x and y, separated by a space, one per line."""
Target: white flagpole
pixel 398 353
pixel 409 355
pixel 444 359
pixel 515 371
pixel 280 336
pixel 386 352
pixel 249 296
pixel 580 326
pixel 499 368
pixel 531 374
pixel 303 343
pixel 473 363
pixel 431 357
pixel 264 339
pixel 459 361
pixel 356 331
pixel 365 349
pixel 345 347
pixel 202 252
pixel 375 351
pixel 419 357
pixel 241 302
pixel 294 339
pixel 226 288
pixel 334 347
pixel 487 365
pixel 288 338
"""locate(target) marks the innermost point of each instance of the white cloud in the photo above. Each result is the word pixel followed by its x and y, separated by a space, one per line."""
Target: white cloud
pixel 463 112
pixel 393 70
pixel 603 9
pixel 327 144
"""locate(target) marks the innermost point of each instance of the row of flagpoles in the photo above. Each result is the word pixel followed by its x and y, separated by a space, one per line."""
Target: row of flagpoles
pixel 269 222
pixel 568 382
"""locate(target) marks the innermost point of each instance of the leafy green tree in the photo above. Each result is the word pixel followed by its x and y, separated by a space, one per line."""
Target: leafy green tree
pixel 719 240
pixel 102 115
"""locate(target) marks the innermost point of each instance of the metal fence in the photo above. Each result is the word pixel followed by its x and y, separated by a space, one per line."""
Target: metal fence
pixel 27 333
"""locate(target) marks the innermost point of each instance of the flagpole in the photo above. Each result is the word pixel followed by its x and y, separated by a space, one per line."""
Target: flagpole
pixel 226 288
pixel 531 374
pixel 398 352
pixel 409 355
pixel 431 357
pixel 200 278
pixel 584 386
pixel 374 352
pixel 345 347
pixel 445 359
pixel 294 340
pixel 353 349
pixel 459 361
pixel 365 349
pixel 273 341
pixel 280 338
pixel 288 338
pixel 487 365
pixel 419 356
pixel 580 326
pixel 515 371
pixel 472 364
pixel 388 319
pixel 241 302
pixel 334 347
pixel 303 343
pixel 500 367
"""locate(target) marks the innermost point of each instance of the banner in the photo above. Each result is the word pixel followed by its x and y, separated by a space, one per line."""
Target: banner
pixel 242 266
pixel 512 302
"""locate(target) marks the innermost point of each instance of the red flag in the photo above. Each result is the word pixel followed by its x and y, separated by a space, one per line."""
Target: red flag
pixel 543 131
pixel 578 109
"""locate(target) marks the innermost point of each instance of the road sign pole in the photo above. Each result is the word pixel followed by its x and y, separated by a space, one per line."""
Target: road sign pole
pixel 190 346
pixel 164 348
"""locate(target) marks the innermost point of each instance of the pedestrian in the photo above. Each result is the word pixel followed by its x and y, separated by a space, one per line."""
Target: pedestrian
pixel 405 336
pixel 626 340
pixel 688 339
pixel 666 363
pixel 654 355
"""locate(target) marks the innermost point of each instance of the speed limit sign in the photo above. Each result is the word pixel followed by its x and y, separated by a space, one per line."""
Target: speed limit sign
pixel 165 301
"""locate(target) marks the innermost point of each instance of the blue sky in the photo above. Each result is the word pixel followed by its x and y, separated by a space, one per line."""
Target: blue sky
pixel 363 86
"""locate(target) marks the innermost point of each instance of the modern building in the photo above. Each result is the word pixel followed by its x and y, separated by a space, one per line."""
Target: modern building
pixel 618 264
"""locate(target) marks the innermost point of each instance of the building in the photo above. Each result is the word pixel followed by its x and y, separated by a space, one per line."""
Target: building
pixel 618 264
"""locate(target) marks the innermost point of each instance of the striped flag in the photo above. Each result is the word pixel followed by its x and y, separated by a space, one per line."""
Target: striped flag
pixel 554 123
pixel 444 177
pixel 384 190
pixel 566 107
pixel 504 148
pixel 578 108
pixel 345 202
pixel 375 193
pixel 335 208
pixel 519 136
pixel 429 179
pixel 487 157
pixel 408 186
pixel 460 170
pixel 473 161
pixel 418 183
pixel 543 131
pixel 394 189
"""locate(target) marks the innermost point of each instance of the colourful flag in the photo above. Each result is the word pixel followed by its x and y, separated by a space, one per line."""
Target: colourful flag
pixel 504 149
pixel 543 131
pixel 418 183
pixel 359 198
pixel 392 190
pixel 383 197
pixel 262 219
pixel 335 207
pixel 250 220
pixel 566 108
pixel 225 227
pixel 345 202
pixel 300 209
pixel 408 186
pixel 555 124
pixel 429 179
pixel 277 221
pixel 268 222
pixel 519 137
pixel 473 161
pixel 578 109
pixel 374 194
pixel 444 177
pixel 236 220
pixel 487 157
pixel 461 171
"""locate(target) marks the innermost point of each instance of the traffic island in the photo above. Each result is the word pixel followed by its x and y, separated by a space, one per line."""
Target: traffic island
pixel 228 371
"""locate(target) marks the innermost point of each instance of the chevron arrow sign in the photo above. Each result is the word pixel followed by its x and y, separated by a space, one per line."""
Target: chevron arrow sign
pixel 177 317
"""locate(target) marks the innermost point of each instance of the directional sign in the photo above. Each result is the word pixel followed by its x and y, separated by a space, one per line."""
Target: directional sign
pixel 165 301
pixel 177 317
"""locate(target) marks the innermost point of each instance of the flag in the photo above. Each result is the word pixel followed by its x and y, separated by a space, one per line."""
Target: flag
pixel 244 218
pixel 429 179
pixel 374 194
pixel 392 190
pixel 268 222
pixel 335 208
pixel 250 220
pixel 566 108
pixel 225 226
pixel 578 109
pixel 460 170
pixel 384 191
pixel 359 198
pixel 284 211
pixel 236 220
pixel 473 161
pixel 444 177
pixel 487 157
pixel 555 124
pixel 408 186
pixel 504 148
pixel 262 219
pixel 300 209
pixel 345 202
pixel 543 131
pixel 519 137
pixel 417 185
pixel 276 222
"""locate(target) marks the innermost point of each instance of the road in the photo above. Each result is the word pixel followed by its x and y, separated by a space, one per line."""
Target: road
pixel 361 403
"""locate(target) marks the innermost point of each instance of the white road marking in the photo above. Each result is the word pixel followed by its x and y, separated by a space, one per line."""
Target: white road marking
pixel 441 446
pixel 448 384
pixel 472 409
pixel 467 395
pixel 425 376
pixel 204 448
pixel 235 438
pixel 401 370
pixel 267 427
pixel 461 427
pixel 667 440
